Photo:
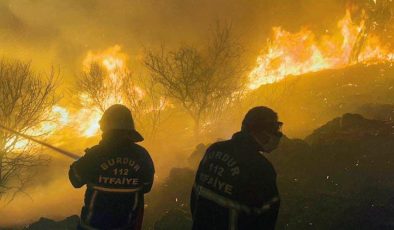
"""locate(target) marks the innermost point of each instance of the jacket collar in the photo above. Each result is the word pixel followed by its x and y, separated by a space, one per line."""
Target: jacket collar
pixel 247 141
pixel 115 137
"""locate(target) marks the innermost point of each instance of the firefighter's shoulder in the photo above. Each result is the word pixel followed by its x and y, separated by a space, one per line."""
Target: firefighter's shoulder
pixel 220 146
pixel 142 153
pixel 139 149
pixel 91 151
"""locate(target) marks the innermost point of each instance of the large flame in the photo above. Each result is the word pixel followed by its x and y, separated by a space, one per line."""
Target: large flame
pixel 88 120
pixel 85 121
pixel 286 54
pixel 302 52
pixel 113 60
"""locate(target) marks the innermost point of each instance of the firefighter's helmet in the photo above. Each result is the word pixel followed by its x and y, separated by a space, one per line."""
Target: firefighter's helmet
pixel 118 117
pixel 261 118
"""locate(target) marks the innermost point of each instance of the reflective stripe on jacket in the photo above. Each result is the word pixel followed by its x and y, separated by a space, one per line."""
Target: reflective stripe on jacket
pixel 232 204
pixel 117 173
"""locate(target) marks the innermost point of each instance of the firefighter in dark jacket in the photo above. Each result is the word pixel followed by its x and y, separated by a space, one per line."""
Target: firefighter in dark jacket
pixel 235 185
pixel 117 172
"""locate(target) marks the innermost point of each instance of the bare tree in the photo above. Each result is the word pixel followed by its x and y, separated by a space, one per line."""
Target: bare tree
pixel 100 88
pixel 204 81
pixel 25 102
pixel 146 103
pixel 139 95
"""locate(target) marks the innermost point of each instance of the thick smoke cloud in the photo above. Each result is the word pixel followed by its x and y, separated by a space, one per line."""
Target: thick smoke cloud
pixel 61 32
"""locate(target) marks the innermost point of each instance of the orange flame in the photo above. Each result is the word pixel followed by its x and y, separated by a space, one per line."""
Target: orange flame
pixel 302 52
pixel 114 62
pixel 86 121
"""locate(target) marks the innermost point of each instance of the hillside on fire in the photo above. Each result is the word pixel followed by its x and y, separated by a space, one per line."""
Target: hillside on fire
pixel 188 74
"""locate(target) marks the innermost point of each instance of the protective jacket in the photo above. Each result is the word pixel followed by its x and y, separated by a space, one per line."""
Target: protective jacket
pixel 117 173
pixel 235 187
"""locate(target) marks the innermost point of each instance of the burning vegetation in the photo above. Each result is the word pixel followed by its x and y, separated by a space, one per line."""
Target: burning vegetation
pixel 302 52
pixel 106 78
pixel 193 93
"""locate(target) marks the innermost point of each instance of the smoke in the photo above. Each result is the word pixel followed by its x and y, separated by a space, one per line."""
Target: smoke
pixel 54 200
pixel 60 33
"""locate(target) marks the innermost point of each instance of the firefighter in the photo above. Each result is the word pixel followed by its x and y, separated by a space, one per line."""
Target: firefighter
pixel 117 172
pixel 235 185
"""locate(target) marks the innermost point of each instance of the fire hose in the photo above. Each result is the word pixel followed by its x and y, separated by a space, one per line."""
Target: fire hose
pixel 56 149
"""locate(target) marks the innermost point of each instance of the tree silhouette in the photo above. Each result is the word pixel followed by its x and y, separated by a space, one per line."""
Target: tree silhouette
pixel 204 81
pixel 26 99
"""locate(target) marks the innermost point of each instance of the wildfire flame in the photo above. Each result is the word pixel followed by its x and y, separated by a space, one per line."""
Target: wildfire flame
pixel 86 120
pixel 303 52
pixel 89 122
pixel 113 60
pixel 286 54
pixel 114 63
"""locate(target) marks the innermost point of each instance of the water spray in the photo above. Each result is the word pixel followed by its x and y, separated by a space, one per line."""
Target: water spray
pixel 56 149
